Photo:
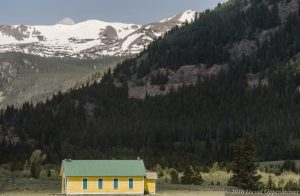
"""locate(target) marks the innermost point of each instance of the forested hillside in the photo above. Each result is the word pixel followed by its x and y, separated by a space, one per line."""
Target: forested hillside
pixel 26 77
pixel 263 32
pixel 194 124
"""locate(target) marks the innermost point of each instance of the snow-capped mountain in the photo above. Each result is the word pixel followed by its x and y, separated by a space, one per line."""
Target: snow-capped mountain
pixel 86 39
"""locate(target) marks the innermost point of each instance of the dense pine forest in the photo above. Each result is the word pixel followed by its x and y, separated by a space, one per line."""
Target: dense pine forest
pixel 194 125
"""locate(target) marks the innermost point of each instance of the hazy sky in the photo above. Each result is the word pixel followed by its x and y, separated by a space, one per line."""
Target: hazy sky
pixel 129 11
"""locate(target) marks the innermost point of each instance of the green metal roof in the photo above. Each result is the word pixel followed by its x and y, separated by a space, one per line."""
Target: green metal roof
pixel 104 168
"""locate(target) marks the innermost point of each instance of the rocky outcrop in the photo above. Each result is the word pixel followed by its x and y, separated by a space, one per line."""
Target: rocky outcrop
pixel 185 75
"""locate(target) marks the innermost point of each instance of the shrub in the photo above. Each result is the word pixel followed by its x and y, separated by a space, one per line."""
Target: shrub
pixel 174 176
pixel 270 185
pixel 35 162
pixel 191 177
pixel 218 177
pixel 291 185
pixel 197 178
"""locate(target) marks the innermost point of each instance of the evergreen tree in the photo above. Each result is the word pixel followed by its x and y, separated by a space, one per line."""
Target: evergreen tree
pixel 244 168
pixel 187 175
pixel 289 165
pixel 36 160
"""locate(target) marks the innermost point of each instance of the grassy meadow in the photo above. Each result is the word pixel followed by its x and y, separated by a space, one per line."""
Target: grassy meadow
pixel 215 181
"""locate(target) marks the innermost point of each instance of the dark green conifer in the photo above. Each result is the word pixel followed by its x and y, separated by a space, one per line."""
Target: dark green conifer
pixel 244 168
pixel 187 175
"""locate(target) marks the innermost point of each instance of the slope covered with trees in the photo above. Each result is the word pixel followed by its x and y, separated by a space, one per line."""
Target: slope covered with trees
pixel 194 125
pixel 26 77
pixel 211 37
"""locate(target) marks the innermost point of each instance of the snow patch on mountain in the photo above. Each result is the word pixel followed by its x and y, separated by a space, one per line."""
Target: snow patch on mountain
pixel 129 40
pixel 167 19
pixel 91 38
pixel 188 16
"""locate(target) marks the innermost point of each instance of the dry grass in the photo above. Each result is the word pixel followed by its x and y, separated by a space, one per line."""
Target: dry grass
pixel 162 193
pixel 189 190
pixel 25 193
pixel 191 193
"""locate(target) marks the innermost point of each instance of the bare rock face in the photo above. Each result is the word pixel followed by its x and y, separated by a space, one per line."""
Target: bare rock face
pixel 110 33
pixel 254 80
pixel 19 33
pixel 185 75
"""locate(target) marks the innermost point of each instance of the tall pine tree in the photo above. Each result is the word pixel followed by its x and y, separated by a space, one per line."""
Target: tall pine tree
pixel 244 168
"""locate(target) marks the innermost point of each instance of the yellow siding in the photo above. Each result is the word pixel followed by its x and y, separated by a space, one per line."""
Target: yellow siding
pixel 150 186
pixel 74 185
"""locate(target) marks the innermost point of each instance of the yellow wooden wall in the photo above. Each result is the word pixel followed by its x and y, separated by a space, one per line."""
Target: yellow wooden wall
pixel 150 186
pixel 74 185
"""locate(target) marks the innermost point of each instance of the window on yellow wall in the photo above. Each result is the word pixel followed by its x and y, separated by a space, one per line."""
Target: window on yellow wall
pixel 100 183
pixel 116 183
pixel 84 184
pixel 130 183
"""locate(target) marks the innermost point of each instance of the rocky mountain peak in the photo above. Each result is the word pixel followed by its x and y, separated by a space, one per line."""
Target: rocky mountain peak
pixel 87 39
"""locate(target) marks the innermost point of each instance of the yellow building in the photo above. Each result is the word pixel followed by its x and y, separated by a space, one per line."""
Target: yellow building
pixel 106 177
pixel 150 182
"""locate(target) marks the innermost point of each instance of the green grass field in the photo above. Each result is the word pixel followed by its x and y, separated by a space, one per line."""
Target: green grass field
pixel 189 190
pixel 29 186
